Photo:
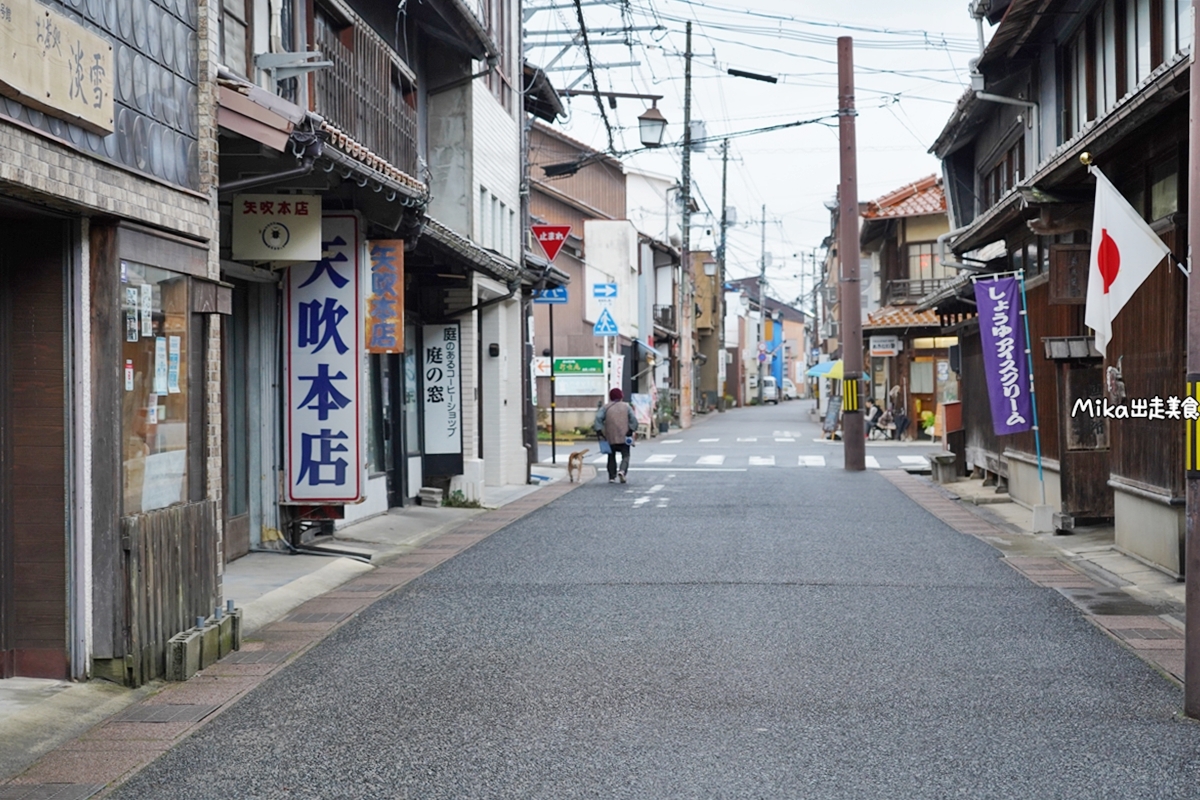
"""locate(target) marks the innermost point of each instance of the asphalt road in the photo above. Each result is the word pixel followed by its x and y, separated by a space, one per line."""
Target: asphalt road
pixel 723 631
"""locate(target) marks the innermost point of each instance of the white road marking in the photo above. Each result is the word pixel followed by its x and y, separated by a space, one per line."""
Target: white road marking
pixel 922 460
pixel 686 469
pixel 600 460
pixel 749 439
pixel 872 462
pixel 762 461
pixel 710 440
pixel 661 458
pixel 670 441
pixel 658 487
pixel 711 461
pixel 641 500
pixel 784 439
pixel 812 461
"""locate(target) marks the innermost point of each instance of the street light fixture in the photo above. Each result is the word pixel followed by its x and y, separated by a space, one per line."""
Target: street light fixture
pixel 651 125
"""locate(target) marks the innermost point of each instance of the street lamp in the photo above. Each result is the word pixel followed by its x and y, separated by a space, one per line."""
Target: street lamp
pixel 651 125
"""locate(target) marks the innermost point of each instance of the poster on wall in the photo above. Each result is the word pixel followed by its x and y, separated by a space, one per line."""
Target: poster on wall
pixel 441 397
pixel 322 359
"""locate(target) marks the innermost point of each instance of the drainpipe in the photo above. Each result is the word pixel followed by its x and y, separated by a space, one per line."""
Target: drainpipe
pixel 941 248
pixel 306 147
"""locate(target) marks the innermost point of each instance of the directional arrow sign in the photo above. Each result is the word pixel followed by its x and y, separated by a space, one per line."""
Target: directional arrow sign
pixel 551 238
pixel 605 325
pixel 555 296
pixel 604 290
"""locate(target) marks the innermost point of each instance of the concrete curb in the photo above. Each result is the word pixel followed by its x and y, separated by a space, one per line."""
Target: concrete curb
pixel 98 760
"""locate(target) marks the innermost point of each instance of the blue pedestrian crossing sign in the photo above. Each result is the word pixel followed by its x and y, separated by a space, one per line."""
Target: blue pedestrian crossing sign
pixel 605 325
pixel 557 295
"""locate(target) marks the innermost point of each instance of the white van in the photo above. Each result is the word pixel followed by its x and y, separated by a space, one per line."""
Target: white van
pixel 770 392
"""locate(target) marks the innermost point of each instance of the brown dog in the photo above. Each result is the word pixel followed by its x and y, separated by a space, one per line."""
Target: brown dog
pixel 575 465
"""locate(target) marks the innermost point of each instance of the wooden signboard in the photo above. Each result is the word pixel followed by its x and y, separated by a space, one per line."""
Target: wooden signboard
pixel 53 64
pixel 1069 273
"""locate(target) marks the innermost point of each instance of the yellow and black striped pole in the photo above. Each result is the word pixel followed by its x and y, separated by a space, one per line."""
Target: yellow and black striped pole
pixel 850 401
pixel 1191 434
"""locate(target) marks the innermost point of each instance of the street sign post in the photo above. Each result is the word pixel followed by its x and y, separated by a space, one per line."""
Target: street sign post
pixel 551 238
pixel 605 325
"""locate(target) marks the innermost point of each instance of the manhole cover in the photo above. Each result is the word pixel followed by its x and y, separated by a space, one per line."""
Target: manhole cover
pixel 167 712
pixel 1107 602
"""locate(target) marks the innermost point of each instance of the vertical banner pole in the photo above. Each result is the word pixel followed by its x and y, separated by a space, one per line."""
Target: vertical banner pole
pixel 553 419
pixel 1037 434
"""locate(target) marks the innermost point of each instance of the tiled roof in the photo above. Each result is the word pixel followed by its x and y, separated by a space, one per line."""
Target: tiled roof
pixel 901 317
pixel 342 141
pixel 916 199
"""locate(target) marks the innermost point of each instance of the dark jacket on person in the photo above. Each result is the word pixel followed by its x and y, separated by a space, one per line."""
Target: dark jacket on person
pixel 616 421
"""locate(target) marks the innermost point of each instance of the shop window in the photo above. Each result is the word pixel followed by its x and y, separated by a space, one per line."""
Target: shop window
pixel 155 412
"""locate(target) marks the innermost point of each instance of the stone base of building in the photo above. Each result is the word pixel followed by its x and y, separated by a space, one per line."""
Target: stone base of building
pixel 1023 484
pixel 1149 526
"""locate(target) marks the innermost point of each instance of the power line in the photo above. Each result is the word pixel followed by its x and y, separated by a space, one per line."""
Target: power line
pixel 587 49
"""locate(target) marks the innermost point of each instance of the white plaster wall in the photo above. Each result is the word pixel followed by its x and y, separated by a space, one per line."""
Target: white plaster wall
pixel 612 256
pixel 496 159
pixel 1151 531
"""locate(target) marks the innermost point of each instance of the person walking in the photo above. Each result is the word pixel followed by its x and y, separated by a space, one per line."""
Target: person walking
pixel 616 424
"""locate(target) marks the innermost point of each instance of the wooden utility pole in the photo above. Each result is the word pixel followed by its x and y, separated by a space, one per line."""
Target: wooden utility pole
pixel 850 303
pixel 687 377
pixel 762 304
pixel 1191 657
pixel 722 367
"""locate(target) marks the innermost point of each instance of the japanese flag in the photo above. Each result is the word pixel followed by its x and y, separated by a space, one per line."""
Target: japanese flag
pixel 1124 253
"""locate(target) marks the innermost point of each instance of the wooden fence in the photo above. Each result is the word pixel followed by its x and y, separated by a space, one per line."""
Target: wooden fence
pixel 172 579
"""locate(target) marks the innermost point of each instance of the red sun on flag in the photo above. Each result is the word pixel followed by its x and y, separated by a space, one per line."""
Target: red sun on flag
pixel 551 238
pixel 1108 259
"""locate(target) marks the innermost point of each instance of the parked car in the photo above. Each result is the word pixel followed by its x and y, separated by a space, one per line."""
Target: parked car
pixel 770 392
pixel 789 390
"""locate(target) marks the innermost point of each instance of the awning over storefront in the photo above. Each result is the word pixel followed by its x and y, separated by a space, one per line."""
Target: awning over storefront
pixel 826 369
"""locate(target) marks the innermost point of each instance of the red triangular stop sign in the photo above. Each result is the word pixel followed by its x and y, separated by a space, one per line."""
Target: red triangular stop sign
pixel 551 238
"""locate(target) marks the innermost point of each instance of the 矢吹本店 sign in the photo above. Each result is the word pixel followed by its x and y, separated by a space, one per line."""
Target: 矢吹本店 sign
pixel 441 366
pixel 385 303
pixel 323 437
pixel 579 377
pixel 277 227
pixel 53 64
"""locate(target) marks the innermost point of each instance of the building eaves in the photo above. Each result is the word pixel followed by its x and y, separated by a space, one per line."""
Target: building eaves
pixel 348 153
pixel 537 269
pixel 584 150
pixel 541 99
pixel 474 256
pixel 1021 20
pixel 921 197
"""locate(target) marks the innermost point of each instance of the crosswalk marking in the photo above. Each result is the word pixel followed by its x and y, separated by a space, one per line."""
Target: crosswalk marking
pixel 670 441
pixel 710 440
pixel 812 461
pixel 872 462
pixel 762 461
pixel 661 458
pixel 711 461
pixel 922 460
pixel 749 439
pixel 784 439
pixel 600 460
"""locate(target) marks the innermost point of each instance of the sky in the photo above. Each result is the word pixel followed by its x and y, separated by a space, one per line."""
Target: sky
pixel 911 66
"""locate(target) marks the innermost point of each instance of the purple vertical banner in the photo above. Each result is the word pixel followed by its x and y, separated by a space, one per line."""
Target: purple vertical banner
pixel 1005 364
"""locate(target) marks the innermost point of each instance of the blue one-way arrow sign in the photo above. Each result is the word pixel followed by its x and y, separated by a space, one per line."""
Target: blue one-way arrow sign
pixel 605 325
pixel 556 296
pixel 604 290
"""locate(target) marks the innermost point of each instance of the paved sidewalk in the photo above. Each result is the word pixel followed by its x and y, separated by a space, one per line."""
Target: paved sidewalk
pixel 74 741
pixel 1140 607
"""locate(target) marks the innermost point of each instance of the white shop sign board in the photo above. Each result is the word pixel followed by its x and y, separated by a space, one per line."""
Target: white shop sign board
pixel 441 363
pixel 322 362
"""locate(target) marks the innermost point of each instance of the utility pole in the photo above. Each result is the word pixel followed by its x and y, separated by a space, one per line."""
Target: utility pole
pixel 721 367
pixel 687 376
pixel 853 443
pixel 1191 652
pixel 762 307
